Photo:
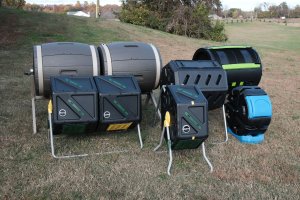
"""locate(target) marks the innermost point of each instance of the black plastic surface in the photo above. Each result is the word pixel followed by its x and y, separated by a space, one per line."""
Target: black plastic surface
pixel 74 103
pixel 189 115
pixel 119 101
pixel 237 55
pixel 208 76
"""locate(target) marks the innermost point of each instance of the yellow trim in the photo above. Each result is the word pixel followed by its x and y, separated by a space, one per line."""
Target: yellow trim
pixel 50 108
pixel 116 127
pixel 167 119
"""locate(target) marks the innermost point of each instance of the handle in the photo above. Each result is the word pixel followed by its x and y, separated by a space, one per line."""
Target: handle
pixel 68 72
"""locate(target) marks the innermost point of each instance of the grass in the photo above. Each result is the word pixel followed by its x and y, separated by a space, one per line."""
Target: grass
pixel 27 171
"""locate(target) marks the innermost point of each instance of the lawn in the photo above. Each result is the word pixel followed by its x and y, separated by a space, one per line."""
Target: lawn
pixel 27 171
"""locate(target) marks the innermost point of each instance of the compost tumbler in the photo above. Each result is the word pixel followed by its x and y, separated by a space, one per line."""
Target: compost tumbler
pixel 207 75
pixel 141 60
pixel 62 58
pixel 249 113
pixel 119 102
pixel 241 63
pixel 75 104
pixel 188 110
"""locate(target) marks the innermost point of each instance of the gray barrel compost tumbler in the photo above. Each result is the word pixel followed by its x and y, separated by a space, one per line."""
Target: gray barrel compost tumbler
pixel 62 58
pixel 141 60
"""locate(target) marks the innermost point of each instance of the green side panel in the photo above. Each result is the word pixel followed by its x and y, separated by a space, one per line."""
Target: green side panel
pixel 186 144
pixel 73 128
pixel 229 47
pixel 241 66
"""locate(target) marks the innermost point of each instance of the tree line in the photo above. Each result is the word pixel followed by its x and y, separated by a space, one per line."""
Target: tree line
pixel 62 8
pixel 182 17
pixel 266 10
pixel 12 3
pixel 78 6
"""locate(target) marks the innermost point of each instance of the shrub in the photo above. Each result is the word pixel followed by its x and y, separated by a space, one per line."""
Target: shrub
pixel 182 19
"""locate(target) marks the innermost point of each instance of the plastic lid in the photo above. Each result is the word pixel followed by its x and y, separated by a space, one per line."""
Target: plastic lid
pixel 259 106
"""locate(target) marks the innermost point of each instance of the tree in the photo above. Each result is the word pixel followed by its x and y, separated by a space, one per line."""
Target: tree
pixel 234 12
pixel 283 9
pixel 78 5
pixel 225 11
pixel 14 3
pixel 85 5
pixel 182 17
pixel 295 13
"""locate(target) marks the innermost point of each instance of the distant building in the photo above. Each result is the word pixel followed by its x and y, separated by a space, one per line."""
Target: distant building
pixel 79 13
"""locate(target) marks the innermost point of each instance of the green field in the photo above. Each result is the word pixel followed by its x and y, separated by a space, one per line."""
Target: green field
pixel 27 171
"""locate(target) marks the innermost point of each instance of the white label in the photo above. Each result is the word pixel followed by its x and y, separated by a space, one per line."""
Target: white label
pixel 186 128
pixel 106 114
pixel 62 112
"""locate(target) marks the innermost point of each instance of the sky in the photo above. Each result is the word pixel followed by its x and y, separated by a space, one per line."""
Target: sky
pixel 245 5
pixel 249 5
pixel 102 2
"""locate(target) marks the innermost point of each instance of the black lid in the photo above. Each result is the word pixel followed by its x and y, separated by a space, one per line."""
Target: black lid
pixel 72 84
pixel 186 93
pixel 117 84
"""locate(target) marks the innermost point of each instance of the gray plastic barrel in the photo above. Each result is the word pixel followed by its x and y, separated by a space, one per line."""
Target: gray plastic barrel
pixel 62 58
pixel 141 60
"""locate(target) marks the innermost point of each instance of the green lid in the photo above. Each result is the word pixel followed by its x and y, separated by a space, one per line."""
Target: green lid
pixel 229 47
pixel 241 66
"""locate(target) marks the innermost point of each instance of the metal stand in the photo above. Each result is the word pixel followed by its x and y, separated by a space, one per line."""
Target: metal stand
pixel 79 155
pixel 161 139
pixel 166 127
pixel 33 100
pixel 206 159
pixel 152 97
pixel 33 115
pixel 225 127
pixel 169 147
pixel 33 106
pixel 140 136
pixel 170 152
pixel 163 89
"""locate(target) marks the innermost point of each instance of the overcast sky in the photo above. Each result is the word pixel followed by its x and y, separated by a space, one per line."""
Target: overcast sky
pixel 246 5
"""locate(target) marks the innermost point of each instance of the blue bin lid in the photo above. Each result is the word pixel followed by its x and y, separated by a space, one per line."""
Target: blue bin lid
pixel 259 106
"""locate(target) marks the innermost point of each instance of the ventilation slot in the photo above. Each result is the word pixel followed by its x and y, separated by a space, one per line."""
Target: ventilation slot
pixel 208 79
pixel 197 79
pixel 218 79
pixel 186 79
